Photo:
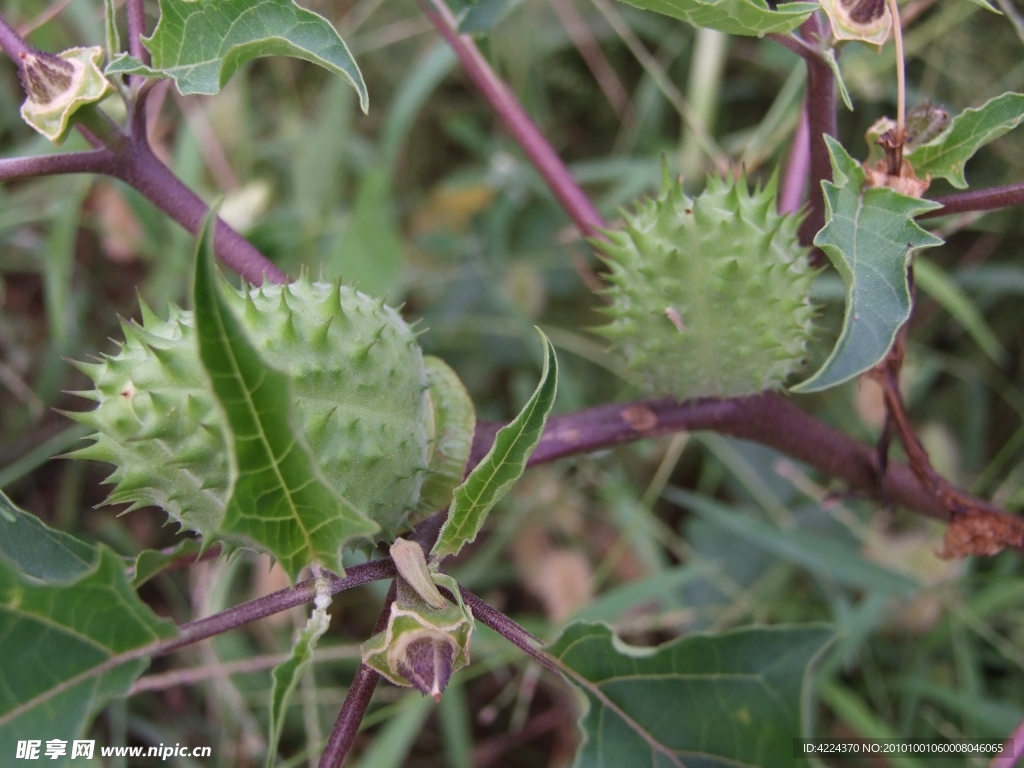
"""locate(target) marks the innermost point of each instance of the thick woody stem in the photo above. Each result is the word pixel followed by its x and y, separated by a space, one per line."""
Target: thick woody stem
pixel 769 419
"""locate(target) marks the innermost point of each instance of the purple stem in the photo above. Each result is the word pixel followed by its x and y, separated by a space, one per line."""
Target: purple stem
pixel 821 117
pixel 90 161
pixel 12 44
pixel 979 200
pixel 130 159
pixel 795 44
pixel 143 170
pixel 246 613
pixel 769 419
pixel 511 113
pixel 506 627
pixel 798 165
pixel 357 701
pixel 136 30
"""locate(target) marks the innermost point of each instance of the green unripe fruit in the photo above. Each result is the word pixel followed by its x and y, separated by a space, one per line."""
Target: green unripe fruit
pixel 361 392
pixel 709 296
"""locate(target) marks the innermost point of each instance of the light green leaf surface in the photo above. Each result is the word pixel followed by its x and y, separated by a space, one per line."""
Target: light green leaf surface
pixel 38 551
pixel 289 672
pixel 735 17
pixel 868 235
pixel 150 562
pixel 819 553
pixel 66 608
pixel 941 287
pixel 702 701
pixel 200 44
pixel 277 497
pixel 945 156
pixel 491 479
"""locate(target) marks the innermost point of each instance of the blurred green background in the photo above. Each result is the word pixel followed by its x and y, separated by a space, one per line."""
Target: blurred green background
pixel 427 200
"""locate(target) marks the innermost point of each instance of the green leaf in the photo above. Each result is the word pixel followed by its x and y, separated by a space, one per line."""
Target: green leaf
pixel 150 562
pixel 491 479
pixel 941 287
pixel 730 699
pixel 66 608
pixel 736 17
pixel 944 157
pixel 868 235
pixel 819 553
pixel 277 496
pixel 289 672
pixel 200 44
pixel 38 551
pixel 113 37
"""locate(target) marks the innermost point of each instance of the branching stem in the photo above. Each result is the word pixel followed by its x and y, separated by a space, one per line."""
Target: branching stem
pixel 130 159
pixel 218 624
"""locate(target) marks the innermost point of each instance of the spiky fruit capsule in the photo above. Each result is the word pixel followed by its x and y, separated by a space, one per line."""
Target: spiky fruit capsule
pixel 357 375
pixel 709 296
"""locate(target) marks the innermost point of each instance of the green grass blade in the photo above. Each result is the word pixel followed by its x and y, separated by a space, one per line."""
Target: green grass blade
pixel 941 287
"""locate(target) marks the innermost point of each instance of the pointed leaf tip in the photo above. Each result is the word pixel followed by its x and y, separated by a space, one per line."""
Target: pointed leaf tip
pixel 278 499
pixel 491 479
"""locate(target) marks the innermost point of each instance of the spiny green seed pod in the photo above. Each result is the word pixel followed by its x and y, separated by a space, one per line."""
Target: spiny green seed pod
pixel 709 296
pixel 358 378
